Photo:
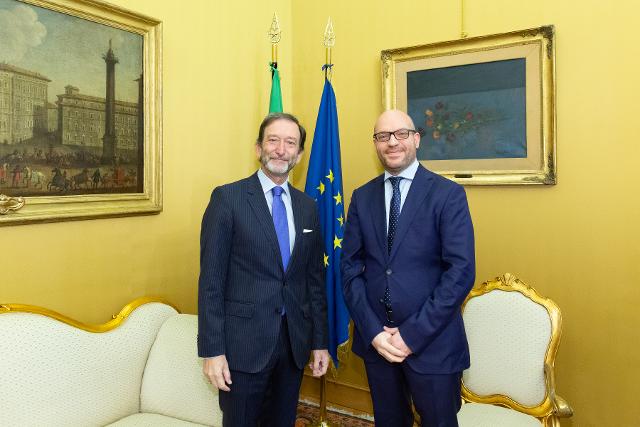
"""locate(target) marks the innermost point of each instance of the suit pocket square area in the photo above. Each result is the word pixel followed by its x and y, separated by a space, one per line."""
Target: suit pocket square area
pixel 306 230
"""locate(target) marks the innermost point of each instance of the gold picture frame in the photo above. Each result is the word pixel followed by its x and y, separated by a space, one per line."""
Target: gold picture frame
pixel 485 105
pixel 95 151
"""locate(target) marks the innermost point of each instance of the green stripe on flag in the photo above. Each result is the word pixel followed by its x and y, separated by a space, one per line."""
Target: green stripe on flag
pixel 275 101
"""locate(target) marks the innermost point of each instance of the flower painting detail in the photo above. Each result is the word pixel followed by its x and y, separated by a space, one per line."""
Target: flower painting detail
pixel 475 111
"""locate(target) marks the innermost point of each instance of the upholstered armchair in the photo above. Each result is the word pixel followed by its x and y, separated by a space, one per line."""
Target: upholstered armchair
pixel 513 335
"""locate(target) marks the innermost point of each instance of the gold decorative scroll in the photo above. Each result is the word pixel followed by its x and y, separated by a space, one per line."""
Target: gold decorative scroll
pixel 8 204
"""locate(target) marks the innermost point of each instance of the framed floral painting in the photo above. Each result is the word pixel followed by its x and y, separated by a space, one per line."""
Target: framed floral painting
pixel 484 106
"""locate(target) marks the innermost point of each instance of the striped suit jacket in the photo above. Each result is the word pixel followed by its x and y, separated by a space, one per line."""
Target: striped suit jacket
pixel 243 286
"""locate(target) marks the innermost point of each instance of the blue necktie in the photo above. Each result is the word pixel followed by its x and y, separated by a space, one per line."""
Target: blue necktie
pixel 394 214
pixel 279 213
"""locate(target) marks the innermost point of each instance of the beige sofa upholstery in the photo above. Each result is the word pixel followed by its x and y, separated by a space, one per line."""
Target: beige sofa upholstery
pixel 140 369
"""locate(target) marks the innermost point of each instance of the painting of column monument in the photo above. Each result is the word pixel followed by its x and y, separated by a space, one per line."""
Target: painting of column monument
pixel 71 119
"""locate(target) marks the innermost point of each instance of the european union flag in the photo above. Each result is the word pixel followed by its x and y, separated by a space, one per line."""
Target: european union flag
pixel 324 184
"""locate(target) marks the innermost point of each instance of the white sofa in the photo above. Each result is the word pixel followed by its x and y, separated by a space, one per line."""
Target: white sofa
pixel 140 369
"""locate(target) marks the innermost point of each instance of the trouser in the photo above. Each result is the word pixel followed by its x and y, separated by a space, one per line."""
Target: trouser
pixel 268 398
pixel 394 386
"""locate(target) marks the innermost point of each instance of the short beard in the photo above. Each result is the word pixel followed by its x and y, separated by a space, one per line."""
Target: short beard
pixel 276 170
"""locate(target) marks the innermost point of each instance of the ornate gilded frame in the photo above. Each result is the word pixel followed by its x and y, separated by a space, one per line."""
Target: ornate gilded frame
pixel 115 321
pixel 537 46
pixel 22 210
pixel 553 406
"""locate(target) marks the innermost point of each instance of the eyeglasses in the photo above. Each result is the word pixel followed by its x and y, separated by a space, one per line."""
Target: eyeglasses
pixel 399 134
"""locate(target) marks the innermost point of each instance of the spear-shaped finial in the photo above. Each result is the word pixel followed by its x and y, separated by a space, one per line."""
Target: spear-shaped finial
pixel 329 42
pixel 274 31
pixel 274 36
pixel 329 35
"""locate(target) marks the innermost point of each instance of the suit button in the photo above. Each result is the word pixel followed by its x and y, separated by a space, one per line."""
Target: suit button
pixel 389 272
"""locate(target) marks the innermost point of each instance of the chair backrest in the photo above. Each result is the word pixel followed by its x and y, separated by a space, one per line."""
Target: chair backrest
pixel 56 371
pixel 512 332
pixel 173 383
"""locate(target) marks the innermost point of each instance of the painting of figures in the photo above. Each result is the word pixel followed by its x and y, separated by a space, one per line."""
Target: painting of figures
pixel 71 105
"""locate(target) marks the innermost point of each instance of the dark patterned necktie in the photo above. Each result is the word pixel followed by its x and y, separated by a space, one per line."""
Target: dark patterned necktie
pixel 394 211
pixel 394 214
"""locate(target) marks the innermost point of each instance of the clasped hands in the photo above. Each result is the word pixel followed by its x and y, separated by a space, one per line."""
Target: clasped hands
pixel 216 369
pixel 390 345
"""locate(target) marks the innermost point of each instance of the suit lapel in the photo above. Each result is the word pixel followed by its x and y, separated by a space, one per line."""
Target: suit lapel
pixel 419 189
pixel 260 208
pixel 379 215
pixel 296 205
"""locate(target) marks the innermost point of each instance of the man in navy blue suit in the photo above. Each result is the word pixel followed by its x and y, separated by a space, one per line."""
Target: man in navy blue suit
pixel 407 264
pixel 262 307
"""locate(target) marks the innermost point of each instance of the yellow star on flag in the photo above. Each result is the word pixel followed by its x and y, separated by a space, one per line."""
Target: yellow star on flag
pixel 341 220
pixel 338 199
pixel 337 243
pixel 330 176
pixel 326 260
pixel 321 187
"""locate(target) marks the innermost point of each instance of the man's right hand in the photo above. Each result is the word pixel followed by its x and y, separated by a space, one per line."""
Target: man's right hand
pixel 216 369
pixel 382 343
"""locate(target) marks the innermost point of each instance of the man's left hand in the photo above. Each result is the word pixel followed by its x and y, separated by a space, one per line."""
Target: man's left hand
pixel 397 341
pixel 320 362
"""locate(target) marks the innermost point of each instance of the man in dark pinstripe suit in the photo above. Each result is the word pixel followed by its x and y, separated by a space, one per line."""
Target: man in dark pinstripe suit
pixel 262 299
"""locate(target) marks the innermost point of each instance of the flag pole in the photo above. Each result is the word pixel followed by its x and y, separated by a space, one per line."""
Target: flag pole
pixel 329 42
pixel 274 36
pixel 322 422
pixel 275 97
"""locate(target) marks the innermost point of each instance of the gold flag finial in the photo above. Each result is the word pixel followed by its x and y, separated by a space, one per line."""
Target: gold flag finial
pixel 329 35
pixel 275 32
pixel 329 42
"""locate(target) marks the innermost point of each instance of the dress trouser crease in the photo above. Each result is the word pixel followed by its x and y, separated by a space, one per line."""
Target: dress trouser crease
pixel 268 398
pixel 394 386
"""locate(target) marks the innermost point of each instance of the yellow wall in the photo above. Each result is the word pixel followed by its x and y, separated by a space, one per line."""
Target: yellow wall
pixel 576 242
pixel 216 84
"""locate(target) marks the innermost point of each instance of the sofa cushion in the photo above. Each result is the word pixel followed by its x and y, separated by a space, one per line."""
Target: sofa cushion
pixel 173 383
pixel 484 415
pixel 54 374
pixel 151 420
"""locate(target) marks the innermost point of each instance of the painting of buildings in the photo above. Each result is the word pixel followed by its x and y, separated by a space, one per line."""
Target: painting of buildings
pixel 70 96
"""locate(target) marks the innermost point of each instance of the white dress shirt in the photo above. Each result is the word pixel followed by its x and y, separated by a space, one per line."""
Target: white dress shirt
pixel 408 174
pixel 267 187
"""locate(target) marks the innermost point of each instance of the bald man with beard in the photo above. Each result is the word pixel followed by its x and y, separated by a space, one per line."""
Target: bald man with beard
pixel 408 264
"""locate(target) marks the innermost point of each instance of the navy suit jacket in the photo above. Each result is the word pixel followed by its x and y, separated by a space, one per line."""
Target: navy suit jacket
pixel 243 285
pixel 430 270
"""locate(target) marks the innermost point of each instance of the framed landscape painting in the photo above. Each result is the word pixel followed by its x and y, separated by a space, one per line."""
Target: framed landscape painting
pixel 484 106
pixel 80 111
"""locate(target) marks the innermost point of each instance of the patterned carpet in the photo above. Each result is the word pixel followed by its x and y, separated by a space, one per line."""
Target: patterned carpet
pixel 308 416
